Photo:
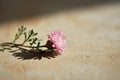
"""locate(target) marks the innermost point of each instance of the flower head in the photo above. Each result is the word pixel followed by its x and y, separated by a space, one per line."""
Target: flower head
pixel 58 40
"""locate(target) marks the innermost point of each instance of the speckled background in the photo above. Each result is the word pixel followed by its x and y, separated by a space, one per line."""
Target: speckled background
pixel 93 40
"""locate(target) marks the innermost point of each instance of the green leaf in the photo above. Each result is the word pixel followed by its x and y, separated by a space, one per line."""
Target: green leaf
pixel 25 34
pixel 38 44
pixel 31 44
pixel 29 40
pixel 19 29
pixel 29 32
pixel 35 34
pixel 16 35
pixel 35 39
pixel 32 31
pixel 24 28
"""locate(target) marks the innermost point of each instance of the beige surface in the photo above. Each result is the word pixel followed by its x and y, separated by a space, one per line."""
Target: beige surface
pixel 93 46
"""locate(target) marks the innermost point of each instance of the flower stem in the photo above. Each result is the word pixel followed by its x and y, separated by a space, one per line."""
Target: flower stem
pixel 31 46
pixel 20 45
pixel 16 38
pixel 26 40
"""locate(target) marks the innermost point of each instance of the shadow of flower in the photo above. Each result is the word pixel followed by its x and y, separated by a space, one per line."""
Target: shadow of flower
pixel 25 54
pixel 35 54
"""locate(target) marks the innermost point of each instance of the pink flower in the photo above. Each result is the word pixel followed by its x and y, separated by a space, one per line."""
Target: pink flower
pixel 58 40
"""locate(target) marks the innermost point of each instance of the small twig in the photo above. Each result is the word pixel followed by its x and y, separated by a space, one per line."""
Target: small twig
pixel 19 45
pixel 20 32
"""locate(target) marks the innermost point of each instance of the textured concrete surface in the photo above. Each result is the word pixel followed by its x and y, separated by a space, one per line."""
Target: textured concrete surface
pixel 93 46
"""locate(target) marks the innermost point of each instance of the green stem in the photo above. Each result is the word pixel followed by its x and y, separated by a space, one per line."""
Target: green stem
pixel 20 45
pixel 32 46
pixel 24 42
pixel 27 46
pixel 26 39
pixel 16 38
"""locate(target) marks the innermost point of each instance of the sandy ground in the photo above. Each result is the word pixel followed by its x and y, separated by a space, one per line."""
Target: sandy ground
pixel 93 46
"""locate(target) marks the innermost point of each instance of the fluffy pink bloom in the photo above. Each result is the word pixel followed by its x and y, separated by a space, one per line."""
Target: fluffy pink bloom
pixel 58 40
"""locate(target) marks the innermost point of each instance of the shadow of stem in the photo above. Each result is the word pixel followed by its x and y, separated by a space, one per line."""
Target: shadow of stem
pixel 27 54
